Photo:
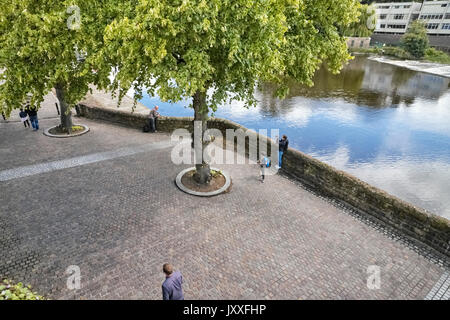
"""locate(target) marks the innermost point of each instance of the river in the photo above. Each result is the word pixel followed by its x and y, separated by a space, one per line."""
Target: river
pixel 386 125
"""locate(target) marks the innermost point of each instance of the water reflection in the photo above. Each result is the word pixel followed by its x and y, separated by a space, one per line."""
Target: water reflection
pixel 362 82
pixel 387 125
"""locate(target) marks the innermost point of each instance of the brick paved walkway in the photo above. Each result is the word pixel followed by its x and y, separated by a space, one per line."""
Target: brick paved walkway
pixel 120 218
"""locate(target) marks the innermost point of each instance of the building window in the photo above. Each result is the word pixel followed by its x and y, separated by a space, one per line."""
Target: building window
pixel 431 16
pixel 407 6
pixel 447 16
pixel 399 16
pixel 382 26
pixel 396 26
pixel 446 26
pixel 383 16
pixel 361 44
pixel 432 26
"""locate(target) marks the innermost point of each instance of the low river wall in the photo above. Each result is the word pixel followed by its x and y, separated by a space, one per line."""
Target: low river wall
pixel 413 222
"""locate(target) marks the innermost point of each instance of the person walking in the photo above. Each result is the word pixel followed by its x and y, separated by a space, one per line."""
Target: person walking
pixel 32 113
pixel 24 118
pixel 283 147
pixel 172 286
pixel 152 117
pixel 263 163
pixel 4 117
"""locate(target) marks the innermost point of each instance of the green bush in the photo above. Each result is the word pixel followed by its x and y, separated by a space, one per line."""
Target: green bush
pixel 415 40
pixel 396 52
pixel 374 50
pixel 11 291
pixel 433 55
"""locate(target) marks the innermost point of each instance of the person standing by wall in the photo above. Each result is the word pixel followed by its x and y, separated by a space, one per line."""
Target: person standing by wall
pixel 172 286
pixel 283 147
pixel 152 117
pixel 32 113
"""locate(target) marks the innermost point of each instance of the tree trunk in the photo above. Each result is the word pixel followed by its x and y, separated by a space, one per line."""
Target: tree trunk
pixel 203 171
pixel 66 113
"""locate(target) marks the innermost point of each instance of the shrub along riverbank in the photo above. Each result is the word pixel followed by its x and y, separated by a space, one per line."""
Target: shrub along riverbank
pixel 431 54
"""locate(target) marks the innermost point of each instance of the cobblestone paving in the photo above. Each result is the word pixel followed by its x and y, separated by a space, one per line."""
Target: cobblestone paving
pixel 441 291
pixel 121 218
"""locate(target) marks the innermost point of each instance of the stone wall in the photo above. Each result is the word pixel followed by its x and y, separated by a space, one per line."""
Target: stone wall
pixel 414 222
pixel 438 42
pixel 358 42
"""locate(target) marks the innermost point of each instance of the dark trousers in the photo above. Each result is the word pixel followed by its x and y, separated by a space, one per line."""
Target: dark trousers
pixel 152 124
pixel 26 122
pixel 3 115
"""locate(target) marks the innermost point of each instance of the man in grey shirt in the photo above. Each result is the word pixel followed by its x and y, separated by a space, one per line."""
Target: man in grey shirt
pixel 152 116
pixel 171 287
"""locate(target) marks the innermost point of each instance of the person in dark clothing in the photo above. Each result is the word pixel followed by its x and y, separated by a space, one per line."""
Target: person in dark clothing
pixel 172 286
pixel 4 117
pixel 24 118
pixel 32 113
pixel 283 147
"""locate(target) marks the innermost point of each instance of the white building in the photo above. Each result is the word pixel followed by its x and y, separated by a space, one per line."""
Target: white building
pixel 395 17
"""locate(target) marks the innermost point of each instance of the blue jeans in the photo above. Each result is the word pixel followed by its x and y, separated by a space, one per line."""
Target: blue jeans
pixel 34 122
pixel 280 157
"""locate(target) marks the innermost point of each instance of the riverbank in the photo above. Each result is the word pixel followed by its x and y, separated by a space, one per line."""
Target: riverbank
pixel 106 202
pixel 410 220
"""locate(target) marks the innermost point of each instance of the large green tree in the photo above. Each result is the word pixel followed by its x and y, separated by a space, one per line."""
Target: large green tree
pixel 51 44
pixel 216 50
pixel 415 41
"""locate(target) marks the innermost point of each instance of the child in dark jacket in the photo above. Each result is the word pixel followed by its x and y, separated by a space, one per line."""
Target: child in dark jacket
pixel 24 118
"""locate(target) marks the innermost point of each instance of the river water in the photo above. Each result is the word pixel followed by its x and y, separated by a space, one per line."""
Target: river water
pixel 386 125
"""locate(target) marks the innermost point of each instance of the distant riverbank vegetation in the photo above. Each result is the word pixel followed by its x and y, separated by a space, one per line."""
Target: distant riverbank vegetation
pixel 414 45
pixel 431 54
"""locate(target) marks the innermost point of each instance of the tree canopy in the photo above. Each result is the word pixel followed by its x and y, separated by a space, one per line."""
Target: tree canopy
pixel 43 44
pixel 176 48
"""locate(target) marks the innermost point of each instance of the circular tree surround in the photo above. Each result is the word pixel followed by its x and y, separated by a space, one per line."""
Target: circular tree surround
pixel 220 184
pixel 53 132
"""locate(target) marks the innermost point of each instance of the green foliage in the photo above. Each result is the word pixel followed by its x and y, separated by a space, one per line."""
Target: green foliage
pixel 216 173
pixel 433 55
pixel 226 46
pixel 374 50
pixel 11 291
pixel 415 40
pixel 397 52
pixel 365 25
pixel 39 51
